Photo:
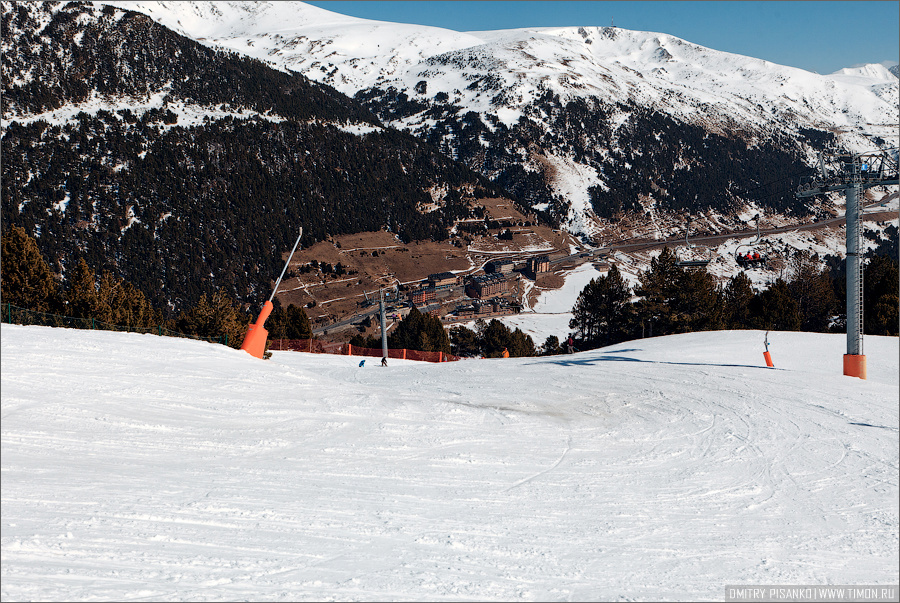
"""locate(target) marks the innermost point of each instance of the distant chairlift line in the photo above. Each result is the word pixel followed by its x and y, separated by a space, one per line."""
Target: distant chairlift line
pixel 752 256
pixel 687 257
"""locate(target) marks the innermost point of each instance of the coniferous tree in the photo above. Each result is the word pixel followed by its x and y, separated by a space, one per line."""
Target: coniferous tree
pixel 614 296
pixel 215 317
pixel 658 288
pixel 289 323
pixel 464 342
pixel 437 338
pixel 521 345
pixel 82 299
pixel 298 326
pixel 497 336
pixel 737 296
pixel 25 276
pixel 275 324
pixel 551 346
pixel 698 302
pixel 584 316
pixel 598 314
pixel 674 300
pixel 775 309
pixel 135 308
pixel 880 296
pixel 407 335
pixel 811 287
pixel 107 292
pixel 372 342
pixel 422 332
pixel 494 339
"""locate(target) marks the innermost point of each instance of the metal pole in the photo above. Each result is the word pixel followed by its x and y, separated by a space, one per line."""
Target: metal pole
pixel 854 268
pixel 850 181
pixel 283 270
pixel 384 348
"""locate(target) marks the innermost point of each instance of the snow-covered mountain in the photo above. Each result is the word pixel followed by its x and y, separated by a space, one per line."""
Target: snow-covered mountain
pixel 427 79
pixel 607 132
pixel 655 69
pixel 875 71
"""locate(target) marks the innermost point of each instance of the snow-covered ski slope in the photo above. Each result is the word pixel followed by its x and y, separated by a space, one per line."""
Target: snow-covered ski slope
pixel 140 467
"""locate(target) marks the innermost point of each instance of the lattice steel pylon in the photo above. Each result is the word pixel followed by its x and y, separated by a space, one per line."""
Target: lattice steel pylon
pixel 857 173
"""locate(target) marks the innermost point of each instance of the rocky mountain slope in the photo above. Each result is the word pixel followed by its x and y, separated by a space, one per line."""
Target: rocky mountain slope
pixel 185 169
pixel 585 124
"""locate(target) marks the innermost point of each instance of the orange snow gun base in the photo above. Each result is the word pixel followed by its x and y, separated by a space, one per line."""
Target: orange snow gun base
pixel 855 365
pixel 255 340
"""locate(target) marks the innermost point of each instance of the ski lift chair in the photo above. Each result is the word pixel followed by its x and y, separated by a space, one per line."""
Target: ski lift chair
pixel 753 254
pixel 687 257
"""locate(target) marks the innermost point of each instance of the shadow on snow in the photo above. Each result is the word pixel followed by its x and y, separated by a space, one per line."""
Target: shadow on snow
pixel 606 358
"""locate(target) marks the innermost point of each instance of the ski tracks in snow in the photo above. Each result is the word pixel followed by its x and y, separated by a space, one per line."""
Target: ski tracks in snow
pixel 199 473
pixel 547 470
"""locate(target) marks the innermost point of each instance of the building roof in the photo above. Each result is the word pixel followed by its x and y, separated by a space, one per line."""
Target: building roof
pixel 440 276
pixel 489 278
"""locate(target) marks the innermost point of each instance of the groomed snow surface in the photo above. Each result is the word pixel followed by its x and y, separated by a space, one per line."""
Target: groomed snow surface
pixel 136 466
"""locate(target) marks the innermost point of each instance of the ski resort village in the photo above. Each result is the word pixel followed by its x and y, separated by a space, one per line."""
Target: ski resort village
pixel 304 306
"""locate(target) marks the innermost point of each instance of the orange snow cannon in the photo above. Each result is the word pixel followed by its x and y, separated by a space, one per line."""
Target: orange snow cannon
pixel 255 339
pixel 767 355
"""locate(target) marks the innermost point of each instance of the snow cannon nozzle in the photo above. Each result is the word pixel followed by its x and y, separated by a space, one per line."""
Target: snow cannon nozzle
pixel 255 339
pixel 766 354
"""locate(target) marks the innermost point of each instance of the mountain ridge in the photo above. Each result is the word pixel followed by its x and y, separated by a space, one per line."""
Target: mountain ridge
pixel 426 79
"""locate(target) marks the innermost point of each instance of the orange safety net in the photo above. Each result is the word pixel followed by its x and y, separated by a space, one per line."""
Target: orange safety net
pixel 317 347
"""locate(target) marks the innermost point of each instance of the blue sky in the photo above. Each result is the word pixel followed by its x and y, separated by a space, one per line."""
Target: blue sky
pixel 817 36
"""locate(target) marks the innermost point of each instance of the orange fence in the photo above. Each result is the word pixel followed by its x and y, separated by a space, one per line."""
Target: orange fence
pixel 345 349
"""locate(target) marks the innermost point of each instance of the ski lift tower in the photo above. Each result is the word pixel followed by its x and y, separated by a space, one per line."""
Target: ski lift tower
pixel 384 348
pixel 857 173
